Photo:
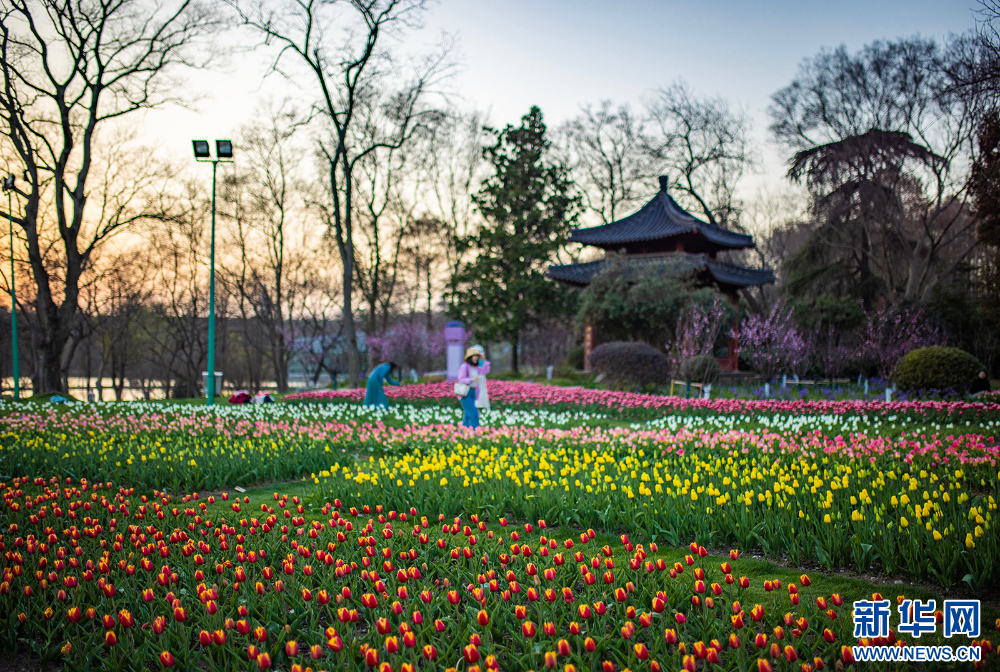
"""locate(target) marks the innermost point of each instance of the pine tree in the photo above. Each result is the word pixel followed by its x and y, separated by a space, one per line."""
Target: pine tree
pixel 529 208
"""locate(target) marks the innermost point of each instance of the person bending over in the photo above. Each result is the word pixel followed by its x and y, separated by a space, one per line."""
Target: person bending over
pixel 374 394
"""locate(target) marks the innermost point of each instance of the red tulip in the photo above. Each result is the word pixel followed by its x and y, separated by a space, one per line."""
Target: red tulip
pixel 110 638
pixel 291 648
pixel 167 659
pixel 483 618
pixel 763 665
pixel 528 629
pixel 204 638
pixel 371 657
pixel 641 652
pixel 430 653
pixel 264 661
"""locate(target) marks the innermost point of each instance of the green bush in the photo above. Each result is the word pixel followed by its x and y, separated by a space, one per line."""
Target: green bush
pixel 701 369
pixel 574 359
pixel 936 368
pixel 509 374
pixel 626 363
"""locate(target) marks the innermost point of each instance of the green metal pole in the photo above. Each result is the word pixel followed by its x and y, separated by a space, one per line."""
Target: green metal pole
pixel 15 358
pixel 211 391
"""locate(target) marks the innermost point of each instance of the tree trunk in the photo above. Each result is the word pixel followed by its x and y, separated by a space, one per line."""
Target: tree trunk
pixel 513 353
pixel 49 375
pixel 353 355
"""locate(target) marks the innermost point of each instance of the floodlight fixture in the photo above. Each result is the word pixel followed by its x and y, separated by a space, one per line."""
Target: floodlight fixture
pixel 223 149
pixel 202 150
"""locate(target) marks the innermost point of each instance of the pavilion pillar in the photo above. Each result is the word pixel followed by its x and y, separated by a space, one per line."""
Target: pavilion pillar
pixel 588 344
pixel 733 347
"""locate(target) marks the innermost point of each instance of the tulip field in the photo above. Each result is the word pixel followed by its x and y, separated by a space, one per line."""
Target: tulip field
pixel 577 530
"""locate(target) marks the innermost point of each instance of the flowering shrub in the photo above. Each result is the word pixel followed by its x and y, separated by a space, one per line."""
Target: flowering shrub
pixel 891 332
pixel 157 581
pixel 698 328
pixel 773 344
pixel 407 344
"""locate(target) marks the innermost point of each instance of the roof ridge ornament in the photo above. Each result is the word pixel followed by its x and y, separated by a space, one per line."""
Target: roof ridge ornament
pixel 664 181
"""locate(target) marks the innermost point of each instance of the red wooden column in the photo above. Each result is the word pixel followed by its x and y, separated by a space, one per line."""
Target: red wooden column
pixel 733 347
pixel 588 345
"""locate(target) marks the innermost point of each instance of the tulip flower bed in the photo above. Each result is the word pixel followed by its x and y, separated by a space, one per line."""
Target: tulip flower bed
pixel 191 448
pixel 137 582
pixel 630 405
pixel 918 507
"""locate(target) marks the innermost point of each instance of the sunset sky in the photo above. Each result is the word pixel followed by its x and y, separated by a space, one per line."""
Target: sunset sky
pixel 559 54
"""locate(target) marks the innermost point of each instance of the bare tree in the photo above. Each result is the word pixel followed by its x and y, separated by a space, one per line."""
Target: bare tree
pixel 423 249
pixel 884 141
pixel 113 305
pixel 454 167
pixel 703 146
pixel 69 67
pixel 273 242
pixel 609 158
pixel 174 327
pixel 343 77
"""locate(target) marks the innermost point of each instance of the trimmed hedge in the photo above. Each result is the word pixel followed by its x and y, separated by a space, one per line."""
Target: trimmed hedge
pixel 630 363
pixel 936 368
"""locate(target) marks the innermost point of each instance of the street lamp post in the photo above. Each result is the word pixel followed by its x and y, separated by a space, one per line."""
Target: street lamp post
pixel 223 154
pixel 8 186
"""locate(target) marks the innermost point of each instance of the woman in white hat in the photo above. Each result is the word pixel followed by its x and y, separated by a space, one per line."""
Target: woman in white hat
pixel 482 396
pixel 470 373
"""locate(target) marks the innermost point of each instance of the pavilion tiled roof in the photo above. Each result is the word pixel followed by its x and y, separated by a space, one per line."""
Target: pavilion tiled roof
pixel 675 263
pixel 660 218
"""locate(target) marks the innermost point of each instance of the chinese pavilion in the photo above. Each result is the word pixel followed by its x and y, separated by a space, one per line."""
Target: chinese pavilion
pixel 664 235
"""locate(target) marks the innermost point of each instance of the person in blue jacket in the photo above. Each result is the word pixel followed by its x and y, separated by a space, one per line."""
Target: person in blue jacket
pixel 374 394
